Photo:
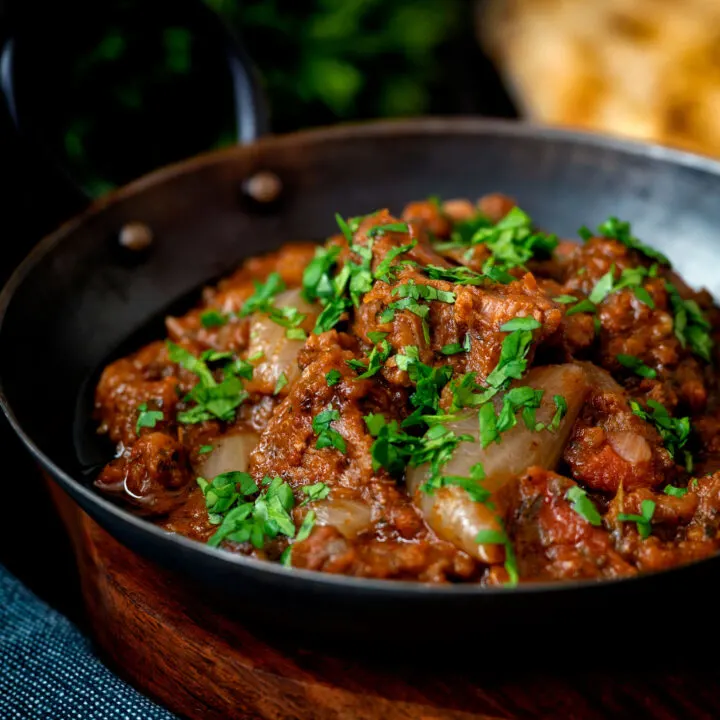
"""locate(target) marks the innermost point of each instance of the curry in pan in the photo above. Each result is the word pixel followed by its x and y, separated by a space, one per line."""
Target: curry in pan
pixel 448 395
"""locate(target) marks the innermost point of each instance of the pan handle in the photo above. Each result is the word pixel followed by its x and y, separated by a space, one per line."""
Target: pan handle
pixel 250 107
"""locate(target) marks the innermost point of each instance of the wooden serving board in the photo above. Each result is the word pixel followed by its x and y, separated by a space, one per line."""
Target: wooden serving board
pixel 161 635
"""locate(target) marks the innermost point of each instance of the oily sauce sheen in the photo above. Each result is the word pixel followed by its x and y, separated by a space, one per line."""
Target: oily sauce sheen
pixel 448 395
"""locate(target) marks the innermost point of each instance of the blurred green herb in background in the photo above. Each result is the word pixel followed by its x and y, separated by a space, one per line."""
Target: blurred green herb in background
pixel 147 89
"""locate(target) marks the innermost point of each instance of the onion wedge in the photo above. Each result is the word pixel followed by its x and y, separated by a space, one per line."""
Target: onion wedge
pixel 278 353
pixel 230 453
pixel 450 511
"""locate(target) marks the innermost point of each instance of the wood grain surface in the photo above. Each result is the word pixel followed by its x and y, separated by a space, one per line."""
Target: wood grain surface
pixel 163 636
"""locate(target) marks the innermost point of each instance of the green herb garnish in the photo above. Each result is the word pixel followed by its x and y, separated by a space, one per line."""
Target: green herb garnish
pixel 282 381
pixel 584 306
pixel 521 323
pixel 327 436
pixel 692 328
pixel 212 399
pixel 213 318
pixel 147 418
pixel 500 537
pixel 675 491
pixel 583 505
pixel 333 377
pixel 674 431
pixel 621 231
pixel 318 491
pixel 636 365
pixel 642 521
pixel 262 298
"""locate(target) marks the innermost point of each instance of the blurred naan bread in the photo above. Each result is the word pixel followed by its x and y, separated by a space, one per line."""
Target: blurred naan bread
pixel 643 68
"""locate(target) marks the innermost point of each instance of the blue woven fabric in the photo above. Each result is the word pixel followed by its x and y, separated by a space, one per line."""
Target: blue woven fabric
pixel 48 670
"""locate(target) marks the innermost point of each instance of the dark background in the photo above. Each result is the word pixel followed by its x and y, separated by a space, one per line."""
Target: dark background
pixel 111 90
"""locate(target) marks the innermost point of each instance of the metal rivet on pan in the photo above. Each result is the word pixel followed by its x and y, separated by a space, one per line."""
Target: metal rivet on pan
pixel 263 187
pixel 135 236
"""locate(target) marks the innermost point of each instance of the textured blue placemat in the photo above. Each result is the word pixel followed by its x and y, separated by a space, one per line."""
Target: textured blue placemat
pixel 48 670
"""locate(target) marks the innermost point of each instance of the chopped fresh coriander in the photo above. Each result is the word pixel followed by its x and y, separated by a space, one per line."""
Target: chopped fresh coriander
pixel 583 505
pixel 385 268
pixel 603 287
pixel 525 399
pixel 327 436
pixel 216 355
pixel 354 222
pixel 252 521
pixel 636 365
pixel 389 227
pixel 344 227
pixel 190 362
pixel 224 490
pixel 458 275
pixel 463 232
pixel 513 241
pixel 621 231
pixel 286 557
pixel 644 297
pixel 511 366
pixel 290 318
pixel 642 521
pixel 392 447
pixel 333 377
pixel 376 336
pixel 452 349
pixel 376 360
pixel 423 292
pixel 675 491
pixel 261 299
pixel 295 334
pixel 213 318
pixel 500 537
pixel 436 448
pixel 337 289
pixel 565 299
pixel 488 425
pixel 306 527
pixel 428 380
pixel 331 314
pixel 674 431
pixel 147 418
pixel 584 306
pixel 212 399
pixel 632 278
pixel 513 360
pixel 241 368
pixel 471 484
pixel 317 282
pixel 318 491
pixel 560 412
pixel 521 323
pixel 692 328
pixel 205 449
pixel 282 381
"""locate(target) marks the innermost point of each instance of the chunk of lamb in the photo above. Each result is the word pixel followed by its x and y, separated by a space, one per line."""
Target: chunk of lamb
pixel 684 528
pixel 152 476
pixel 128 383
pixel 477 311
pixel 611 446
pixel 554 542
